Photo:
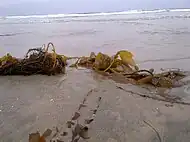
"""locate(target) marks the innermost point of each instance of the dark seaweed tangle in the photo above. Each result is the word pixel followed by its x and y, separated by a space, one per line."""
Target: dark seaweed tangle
pixel 36 61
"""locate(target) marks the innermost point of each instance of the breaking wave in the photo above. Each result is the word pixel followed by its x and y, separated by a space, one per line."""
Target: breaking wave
pixel 97 14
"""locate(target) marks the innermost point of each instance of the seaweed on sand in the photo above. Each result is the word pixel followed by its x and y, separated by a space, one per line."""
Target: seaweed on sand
pixel 36 61
pixel 123 65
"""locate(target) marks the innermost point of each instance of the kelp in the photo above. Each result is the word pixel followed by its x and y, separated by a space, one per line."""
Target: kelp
pixel 36 61
pixel 122 64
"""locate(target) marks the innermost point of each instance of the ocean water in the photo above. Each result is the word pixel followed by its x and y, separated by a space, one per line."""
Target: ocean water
pixel 151 35
pixel 159 36
pixel 158 39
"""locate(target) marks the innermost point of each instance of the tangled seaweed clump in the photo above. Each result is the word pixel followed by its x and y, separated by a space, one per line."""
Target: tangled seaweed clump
pixel 123 65
pixel 36 61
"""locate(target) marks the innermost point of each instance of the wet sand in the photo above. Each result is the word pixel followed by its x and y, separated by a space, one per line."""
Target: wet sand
pixel 36 103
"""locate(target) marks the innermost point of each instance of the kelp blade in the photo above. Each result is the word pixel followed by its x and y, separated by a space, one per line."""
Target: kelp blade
pixel 102 61
pixel 127 58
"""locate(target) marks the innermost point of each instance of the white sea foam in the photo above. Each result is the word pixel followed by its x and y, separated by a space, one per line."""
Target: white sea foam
pixel 99 14
pixel 180 10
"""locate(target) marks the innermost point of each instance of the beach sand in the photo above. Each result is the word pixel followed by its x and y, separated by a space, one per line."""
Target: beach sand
pixel 36 103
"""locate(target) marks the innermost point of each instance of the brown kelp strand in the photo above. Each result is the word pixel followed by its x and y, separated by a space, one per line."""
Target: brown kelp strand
pixel 158 135
pixel 168 99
